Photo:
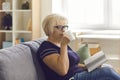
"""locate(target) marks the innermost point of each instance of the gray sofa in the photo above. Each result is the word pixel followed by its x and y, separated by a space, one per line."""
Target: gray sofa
pixel 20 62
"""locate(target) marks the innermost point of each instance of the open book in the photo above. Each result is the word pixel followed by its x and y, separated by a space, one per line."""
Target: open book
pixel 95 61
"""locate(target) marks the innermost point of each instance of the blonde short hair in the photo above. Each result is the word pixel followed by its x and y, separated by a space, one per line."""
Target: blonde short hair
pixel 52 20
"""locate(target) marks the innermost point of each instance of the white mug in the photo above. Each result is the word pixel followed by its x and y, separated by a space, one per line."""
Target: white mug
pixel 70 35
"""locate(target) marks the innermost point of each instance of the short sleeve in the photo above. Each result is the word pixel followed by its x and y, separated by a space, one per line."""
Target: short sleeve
pixel 46 52
pixel 47 48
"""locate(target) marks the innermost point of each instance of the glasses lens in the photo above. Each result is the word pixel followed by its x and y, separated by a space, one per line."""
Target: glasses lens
pixel 62 27
pixel 65 27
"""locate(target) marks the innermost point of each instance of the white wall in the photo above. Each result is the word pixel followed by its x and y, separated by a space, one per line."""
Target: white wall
pixel 45 8
pixel 36 19
pixel 40 8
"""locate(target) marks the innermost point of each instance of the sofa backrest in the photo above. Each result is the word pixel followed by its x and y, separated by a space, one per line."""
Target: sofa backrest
pixel 34 45
pixel 16 63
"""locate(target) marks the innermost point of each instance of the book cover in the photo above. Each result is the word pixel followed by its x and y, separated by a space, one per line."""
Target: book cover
pixel 95 61
pixel 94 48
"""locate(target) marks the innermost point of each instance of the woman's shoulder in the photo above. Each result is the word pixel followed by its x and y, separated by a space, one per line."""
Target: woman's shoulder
pixel 46 43
pixel 47 48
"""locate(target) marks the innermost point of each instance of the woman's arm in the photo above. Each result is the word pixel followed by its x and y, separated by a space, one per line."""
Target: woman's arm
pixel 59 62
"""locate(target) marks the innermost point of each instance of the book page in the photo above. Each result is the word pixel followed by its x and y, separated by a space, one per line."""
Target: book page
pixel 95 61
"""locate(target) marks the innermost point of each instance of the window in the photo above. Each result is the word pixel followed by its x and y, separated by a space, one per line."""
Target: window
pixel 85 13
pixel 90 14
pixel 115 14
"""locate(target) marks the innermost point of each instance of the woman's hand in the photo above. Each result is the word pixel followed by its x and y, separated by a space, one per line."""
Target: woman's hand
pixel 82 66
pixel 65 40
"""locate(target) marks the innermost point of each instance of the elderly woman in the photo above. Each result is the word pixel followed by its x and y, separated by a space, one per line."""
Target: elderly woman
pixel 59 61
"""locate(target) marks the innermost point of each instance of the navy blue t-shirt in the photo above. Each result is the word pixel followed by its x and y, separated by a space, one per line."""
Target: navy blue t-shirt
pixel 48 48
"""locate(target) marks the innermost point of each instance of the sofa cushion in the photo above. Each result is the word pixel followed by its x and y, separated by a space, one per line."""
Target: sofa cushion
pixel 40 40
pixel 2 77
pixel 16 63
pixel 83 51
pixel 34 45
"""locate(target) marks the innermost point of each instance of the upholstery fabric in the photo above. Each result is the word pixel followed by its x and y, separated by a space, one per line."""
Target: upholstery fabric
pixel 83 51
pixel 34 45
pixel 16 63
pixel 1 72
pixel 40 40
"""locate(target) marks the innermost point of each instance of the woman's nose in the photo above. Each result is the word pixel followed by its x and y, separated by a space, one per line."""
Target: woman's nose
pixel 63 30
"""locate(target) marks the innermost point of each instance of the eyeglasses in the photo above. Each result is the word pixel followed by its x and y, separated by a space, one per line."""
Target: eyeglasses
pixel 60 27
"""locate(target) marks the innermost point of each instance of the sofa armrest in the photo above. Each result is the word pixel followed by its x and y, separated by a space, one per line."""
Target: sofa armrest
pixel 16 63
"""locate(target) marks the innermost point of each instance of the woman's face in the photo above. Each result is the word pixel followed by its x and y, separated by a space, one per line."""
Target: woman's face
pixel 58 30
